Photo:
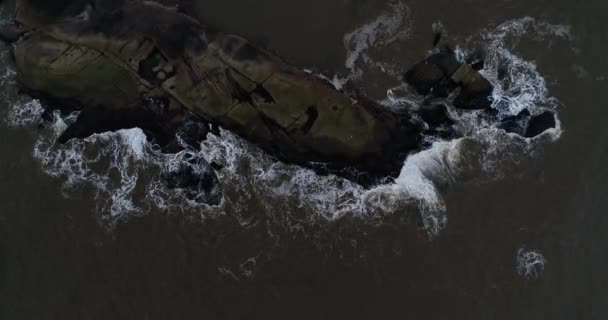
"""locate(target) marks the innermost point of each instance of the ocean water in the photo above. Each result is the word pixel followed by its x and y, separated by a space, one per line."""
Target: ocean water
pixel 486 226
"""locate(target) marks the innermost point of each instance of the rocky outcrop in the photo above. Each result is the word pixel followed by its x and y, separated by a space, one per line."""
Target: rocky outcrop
pixel 107 58
pixel 168 69
pixel 540 123
pixel 441 73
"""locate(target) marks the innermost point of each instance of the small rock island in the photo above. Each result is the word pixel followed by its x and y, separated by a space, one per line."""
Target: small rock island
pixel 148 64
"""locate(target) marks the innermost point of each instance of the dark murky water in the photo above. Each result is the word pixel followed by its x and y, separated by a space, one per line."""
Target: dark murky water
pixel 61 259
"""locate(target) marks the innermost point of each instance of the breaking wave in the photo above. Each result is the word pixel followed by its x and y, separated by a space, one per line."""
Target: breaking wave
pixel 125 171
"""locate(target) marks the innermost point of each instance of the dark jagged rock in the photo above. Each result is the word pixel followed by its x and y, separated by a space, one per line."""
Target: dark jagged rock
pixel 432 75
pixel 477 59
pixel 437 38
pixel 475 92
pixel 515 124
pixel 10 33
pixel 442 73
pixel 540 123
pixel 478 64
pixel 435 115
pixel 424 77
pixel 446 60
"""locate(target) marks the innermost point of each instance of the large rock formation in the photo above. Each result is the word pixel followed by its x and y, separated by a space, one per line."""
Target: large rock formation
pixel 129 63
pixel 109 58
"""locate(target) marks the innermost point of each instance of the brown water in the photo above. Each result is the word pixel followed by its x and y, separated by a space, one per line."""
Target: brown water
pixel 59 260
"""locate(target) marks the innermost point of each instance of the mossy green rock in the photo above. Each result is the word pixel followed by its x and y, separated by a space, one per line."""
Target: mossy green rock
pixel 73 72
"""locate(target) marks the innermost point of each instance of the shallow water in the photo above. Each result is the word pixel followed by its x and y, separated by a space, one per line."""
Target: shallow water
pixel 490 226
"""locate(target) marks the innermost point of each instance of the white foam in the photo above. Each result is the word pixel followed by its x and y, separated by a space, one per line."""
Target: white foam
pixel 530 263
pixel 25 114
pixel 114 164
pixel 9 75
pixel 135 140
pixel 438 27
pixel 486 153
pixel 397 101
pixel 253 174
pixel 387 28
pixel 417 184
pixel 523 87
pixel 393 25
pixel 248 267
pixel 337 81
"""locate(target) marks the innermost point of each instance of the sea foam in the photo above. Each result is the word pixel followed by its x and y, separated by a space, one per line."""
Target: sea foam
pixel 530 263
